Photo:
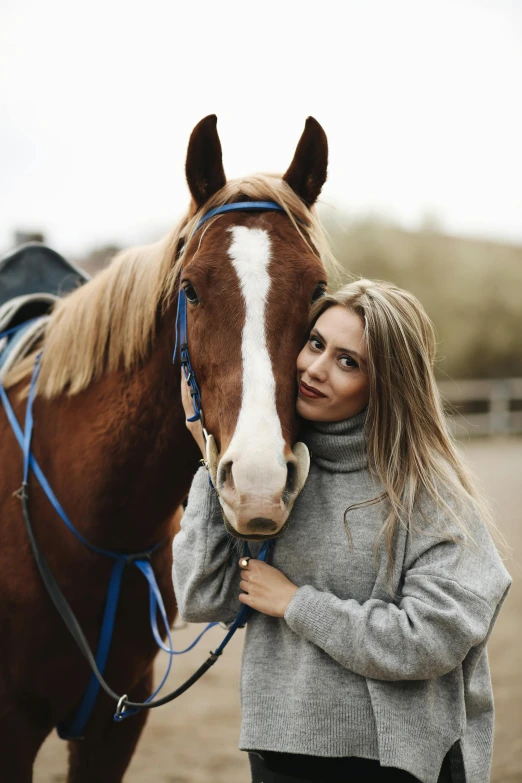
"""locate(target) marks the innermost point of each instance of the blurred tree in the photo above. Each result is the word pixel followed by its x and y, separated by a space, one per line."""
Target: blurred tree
pixel 471 289
pixel 98 258
pixel 22 236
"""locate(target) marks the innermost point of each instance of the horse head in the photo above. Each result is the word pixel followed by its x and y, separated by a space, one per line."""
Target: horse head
pixel 249 278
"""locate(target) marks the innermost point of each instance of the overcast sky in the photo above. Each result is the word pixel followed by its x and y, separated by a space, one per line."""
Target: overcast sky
pixel 420 100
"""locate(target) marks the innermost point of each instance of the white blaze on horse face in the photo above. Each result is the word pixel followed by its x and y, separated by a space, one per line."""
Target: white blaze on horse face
pixel 253 471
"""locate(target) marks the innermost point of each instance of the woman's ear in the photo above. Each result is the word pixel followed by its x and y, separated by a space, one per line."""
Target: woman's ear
pixel 204 164
pixel 307 173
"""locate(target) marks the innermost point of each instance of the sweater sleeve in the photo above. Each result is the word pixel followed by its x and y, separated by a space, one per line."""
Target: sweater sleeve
pixel 205 569
pixel 448 602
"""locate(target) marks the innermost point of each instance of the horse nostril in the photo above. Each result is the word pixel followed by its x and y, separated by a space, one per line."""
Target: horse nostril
pixel 291 482
pixel 224 476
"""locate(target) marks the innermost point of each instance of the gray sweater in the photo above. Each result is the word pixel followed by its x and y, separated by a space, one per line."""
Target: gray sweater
pixel 349 671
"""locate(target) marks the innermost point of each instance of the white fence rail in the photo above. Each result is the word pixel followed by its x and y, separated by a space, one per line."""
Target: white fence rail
pixel 501 400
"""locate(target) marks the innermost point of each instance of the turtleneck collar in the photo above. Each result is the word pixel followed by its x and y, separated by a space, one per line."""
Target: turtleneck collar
pixel 337 446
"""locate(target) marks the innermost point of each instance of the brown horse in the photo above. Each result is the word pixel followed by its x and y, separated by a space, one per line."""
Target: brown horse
pixel 110 436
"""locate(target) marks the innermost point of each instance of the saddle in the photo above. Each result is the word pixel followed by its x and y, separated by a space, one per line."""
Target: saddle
pixel 32 279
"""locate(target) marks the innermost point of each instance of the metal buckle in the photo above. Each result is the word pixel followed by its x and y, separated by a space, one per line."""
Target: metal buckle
pixel 121 708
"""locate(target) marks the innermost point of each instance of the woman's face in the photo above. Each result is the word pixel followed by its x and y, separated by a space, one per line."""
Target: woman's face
pixel 332 373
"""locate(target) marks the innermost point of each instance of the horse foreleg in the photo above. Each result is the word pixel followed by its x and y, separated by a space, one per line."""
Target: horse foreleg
pixel 20 739
pixel 105 753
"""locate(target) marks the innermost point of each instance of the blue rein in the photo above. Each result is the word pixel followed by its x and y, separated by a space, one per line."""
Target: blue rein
pixel 141 560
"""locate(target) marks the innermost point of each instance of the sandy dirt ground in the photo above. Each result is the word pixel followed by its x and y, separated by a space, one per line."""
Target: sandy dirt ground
pixel 194 740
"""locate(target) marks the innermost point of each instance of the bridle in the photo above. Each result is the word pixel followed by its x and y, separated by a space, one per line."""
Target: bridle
pixel 182 337
pixel 141 560
pixel 181 318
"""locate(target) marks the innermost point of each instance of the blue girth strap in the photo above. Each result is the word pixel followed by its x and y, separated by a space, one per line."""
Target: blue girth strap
pixel 15 334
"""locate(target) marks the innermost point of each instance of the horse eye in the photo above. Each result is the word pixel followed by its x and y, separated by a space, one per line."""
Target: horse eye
pixel 190 293
pixel 320 290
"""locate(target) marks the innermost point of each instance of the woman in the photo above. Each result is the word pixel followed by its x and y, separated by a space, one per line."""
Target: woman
pixel 365 658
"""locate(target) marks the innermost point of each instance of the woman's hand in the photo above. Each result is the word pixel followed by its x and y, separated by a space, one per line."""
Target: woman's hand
pixel 194 427
pixel 266 589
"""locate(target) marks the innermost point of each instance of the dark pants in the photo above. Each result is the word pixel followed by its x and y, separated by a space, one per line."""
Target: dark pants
pixel 271 767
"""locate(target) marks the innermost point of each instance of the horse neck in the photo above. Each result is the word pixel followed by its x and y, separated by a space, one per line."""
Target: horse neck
pixel 118 455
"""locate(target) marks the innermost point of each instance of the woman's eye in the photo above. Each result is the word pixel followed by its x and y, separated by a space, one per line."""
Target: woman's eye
pixel 190 293
pixel 319 291
pixel 315 343
pixel 349 361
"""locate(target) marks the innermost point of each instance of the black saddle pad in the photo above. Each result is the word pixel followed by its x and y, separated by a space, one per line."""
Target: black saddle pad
pixel 35 268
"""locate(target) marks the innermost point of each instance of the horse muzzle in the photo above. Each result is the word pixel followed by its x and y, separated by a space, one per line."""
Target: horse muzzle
pixel 257 491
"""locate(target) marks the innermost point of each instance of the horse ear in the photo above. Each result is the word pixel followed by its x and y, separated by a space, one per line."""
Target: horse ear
pixel 204 165
pixel 307 173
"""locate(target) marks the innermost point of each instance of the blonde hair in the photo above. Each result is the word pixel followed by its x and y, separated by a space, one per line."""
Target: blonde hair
pixel 110 323
pixel 411 450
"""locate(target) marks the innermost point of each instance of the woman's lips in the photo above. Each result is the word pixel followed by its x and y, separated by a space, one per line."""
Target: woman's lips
pixel 309 391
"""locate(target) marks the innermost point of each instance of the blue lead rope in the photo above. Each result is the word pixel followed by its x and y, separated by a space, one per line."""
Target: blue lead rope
pixel 140 560
pixel 76 728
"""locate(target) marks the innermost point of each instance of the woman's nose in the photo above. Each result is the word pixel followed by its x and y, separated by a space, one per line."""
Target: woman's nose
pixel 318 369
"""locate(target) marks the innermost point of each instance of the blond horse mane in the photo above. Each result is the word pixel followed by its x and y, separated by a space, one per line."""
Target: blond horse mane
pixel 110 322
